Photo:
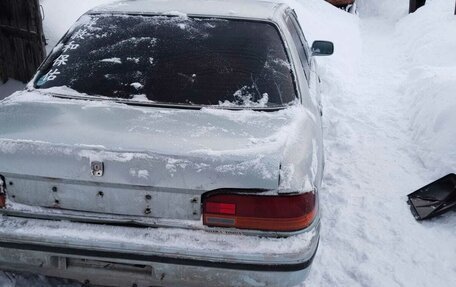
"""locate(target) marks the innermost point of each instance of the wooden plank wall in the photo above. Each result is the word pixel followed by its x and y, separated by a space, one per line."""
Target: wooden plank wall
pixel 21 39
pixel 415 4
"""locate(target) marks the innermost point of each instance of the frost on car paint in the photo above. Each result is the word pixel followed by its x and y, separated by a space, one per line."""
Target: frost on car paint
pixel 208 62
pixel 251 137
pixel 177 111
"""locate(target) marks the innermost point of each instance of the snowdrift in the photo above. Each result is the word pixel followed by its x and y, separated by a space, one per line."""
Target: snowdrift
pixel 428 39
pixel 392 9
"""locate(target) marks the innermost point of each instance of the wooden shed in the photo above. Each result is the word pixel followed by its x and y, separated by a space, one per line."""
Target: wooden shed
pixel 22 42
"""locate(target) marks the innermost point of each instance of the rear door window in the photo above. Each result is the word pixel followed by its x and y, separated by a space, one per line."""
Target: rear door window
pixel 301 44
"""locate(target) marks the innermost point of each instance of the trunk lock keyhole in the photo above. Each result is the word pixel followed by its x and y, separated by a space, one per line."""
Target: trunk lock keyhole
pixel 97 168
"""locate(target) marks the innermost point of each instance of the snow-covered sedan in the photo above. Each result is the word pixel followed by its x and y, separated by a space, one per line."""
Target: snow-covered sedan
pixel 167 143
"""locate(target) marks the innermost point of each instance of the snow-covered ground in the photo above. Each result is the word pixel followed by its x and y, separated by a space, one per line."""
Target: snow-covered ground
pixel 389 129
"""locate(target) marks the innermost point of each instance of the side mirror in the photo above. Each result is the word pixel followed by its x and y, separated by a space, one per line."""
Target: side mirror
pixel 322 48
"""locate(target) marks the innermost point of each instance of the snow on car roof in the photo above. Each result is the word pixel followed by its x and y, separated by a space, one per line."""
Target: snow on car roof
pixel 253 9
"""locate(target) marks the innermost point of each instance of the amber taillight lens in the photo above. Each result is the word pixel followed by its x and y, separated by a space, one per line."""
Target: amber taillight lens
pixel 259 212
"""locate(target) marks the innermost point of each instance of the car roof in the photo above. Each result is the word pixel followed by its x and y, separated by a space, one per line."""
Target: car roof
pixel 244 9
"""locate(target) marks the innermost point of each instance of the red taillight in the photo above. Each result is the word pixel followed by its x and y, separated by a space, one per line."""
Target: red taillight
pixel 268 213
pixel 221 208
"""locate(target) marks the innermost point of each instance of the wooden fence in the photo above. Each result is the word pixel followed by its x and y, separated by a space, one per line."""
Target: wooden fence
pixel 22 42
pixel 415 4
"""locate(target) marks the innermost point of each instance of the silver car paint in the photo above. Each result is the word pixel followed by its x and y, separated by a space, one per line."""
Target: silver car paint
pixel 33 161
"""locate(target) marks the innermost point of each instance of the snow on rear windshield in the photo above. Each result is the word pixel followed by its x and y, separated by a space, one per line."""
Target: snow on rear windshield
pixel 174 60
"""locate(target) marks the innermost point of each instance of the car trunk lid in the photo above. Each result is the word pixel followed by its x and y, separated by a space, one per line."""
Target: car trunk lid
pixel 157 162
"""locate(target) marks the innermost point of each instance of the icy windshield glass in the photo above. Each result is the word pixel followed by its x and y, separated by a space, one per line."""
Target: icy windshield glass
pixel 176 60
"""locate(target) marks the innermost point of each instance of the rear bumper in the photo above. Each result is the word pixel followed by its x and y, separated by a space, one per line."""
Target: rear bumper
pixel 123 256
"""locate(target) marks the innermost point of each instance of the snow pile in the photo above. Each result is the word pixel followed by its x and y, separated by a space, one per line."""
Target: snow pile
pixel 243 97
pixel 322 21
pixel 428 40
pixel 376 125
pixel 393 9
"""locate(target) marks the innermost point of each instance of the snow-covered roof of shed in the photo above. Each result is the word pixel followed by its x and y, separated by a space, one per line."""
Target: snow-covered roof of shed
pixel 255 9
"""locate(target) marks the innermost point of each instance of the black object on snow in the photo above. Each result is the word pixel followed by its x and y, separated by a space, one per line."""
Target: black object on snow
pixel 434 199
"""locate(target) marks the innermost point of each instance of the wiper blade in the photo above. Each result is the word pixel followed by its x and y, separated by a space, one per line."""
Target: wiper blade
pixel 125 101
pixel 164 105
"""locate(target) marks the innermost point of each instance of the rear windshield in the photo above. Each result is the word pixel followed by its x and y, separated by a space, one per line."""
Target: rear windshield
pixel 176 60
